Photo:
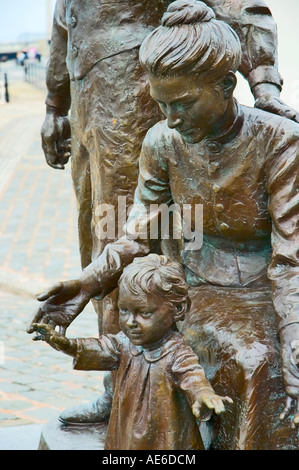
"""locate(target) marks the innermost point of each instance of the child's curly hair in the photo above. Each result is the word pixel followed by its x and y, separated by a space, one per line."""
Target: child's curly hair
pixel 156 275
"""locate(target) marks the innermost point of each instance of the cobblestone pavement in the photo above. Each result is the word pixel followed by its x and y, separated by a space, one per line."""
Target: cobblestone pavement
pixel 38 246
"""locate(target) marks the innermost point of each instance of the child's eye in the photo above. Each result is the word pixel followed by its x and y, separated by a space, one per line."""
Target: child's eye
pixel 146 314
pixel 123 313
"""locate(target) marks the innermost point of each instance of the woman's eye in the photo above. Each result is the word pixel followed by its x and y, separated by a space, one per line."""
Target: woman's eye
pixel 187 105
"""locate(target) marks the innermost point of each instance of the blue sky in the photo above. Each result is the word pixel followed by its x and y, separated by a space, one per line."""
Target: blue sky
pixel 22 16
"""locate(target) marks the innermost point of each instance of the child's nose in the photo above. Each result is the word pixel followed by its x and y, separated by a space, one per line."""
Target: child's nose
pixel 131 321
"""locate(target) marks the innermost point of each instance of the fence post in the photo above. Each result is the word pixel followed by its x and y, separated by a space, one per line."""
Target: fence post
pixel 6 88
pixel 34 74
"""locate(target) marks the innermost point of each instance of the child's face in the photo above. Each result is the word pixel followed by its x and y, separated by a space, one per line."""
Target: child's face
pixel 143 318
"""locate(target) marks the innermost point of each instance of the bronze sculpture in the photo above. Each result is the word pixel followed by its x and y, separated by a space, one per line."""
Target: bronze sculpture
pixel 94 50
pixel 229 169
pixel 160 387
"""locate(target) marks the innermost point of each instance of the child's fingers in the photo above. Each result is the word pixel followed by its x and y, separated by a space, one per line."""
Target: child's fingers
pixel 228 399
pixel 57 340
pixel 43 327
pixel 218 405
pixel 61 342
pixel 196 409
pixel 208 402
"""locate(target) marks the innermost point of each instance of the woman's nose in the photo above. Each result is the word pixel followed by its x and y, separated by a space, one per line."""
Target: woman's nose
pixel 173 120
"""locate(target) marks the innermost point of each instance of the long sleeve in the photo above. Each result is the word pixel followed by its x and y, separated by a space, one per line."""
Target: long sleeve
pixel 57 78
pixel 188 375
pixel 153 189
pixel 97 354
pixel 253 22
pixel 283 185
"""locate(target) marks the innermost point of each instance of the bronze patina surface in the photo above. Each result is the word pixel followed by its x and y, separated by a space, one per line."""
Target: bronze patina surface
pixel 241 165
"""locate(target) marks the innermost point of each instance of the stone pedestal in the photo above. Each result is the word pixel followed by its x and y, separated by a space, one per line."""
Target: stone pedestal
pixel 57 436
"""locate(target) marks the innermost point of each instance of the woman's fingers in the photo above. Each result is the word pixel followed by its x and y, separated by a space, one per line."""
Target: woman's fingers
pixel 53 290
pixel 287 409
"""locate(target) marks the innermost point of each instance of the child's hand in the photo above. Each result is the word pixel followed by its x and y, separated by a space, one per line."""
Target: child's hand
pixel 52 337
pixel 211 401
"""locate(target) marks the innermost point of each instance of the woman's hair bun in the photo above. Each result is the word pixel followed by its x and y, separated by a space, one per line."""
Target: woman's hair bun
pixel 187 12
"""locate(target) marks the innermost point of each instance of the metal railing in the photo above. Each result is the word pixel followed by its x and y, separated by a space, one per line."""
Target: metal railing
pixel 35 74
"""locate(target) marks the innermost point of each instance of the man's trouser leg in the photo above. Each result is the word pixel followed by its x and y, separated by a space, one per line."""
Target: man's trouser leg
pixel 111 113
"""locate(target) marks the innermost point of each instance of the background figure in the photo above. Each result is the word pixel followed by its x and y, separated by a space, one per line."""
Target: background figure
pixel 94 71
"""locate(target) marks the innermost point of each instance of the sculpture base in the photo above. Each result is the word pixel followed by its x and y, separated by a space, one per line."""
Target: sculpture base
pixel 57 436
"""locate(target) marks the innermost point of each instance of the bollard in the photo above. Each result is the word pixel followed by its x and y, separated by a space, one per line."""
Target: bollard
pixel 6 88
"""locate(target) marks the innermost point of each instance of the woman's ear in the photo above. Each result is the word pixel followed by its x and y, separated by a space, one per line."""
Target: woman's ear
pixel 228 85
pixel 181 309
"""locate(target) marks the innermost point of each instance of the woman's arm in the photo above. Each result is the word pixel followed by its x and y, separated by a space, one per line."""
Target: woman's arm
pixel 63 302
pixel 283 184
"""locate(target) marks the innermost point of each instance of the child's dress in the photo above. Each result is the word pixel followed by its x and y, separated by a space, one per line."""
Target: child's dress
pixel 154 391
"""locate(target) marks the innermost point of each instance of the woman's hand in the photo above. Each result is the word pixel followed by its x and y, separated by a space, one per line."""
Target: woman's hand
pixel 289 339
pixel 61 304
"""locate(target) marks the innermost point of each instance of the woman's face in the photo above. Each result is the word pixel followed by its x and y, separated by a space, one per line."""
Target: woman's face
pixel 195 109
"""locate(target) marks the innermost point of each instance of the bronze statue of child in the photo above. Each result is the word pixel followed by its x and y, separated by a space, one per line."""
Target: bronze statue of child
pixel 160 387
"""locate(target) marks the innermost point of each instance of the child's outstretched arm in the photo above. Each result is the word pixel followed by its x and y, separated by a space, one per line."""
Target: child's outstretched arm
pixel 55 339
pixel 191 380
pixel 211 401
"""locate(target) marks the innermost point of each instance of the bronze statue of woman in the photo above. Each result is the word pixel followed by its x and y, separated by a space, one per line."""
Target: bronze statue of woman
pixel 94 73
pixel 241 165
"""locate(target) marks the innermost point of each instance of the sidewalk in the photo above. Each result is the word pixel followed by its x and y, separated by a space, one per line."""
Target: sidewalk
pixel 38 246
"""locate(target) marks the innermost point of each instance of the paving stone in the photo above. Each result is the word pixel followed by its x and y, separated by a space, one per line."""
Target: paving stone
pixel 15 405
pixel 43 414
pixel 11 387
pixel 9 423
pixel 36 249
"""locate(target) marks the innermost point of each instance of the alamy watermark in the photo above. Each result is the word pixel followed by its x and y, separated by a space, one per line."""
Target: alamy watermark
pixel 158 221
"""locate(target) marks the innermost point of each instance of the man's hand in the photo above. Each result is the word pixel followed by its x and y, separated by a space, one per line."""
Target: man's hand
pixel 56 140
pixel 211 401
pixel 62 303
pixel 267 98
pixel 276 106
